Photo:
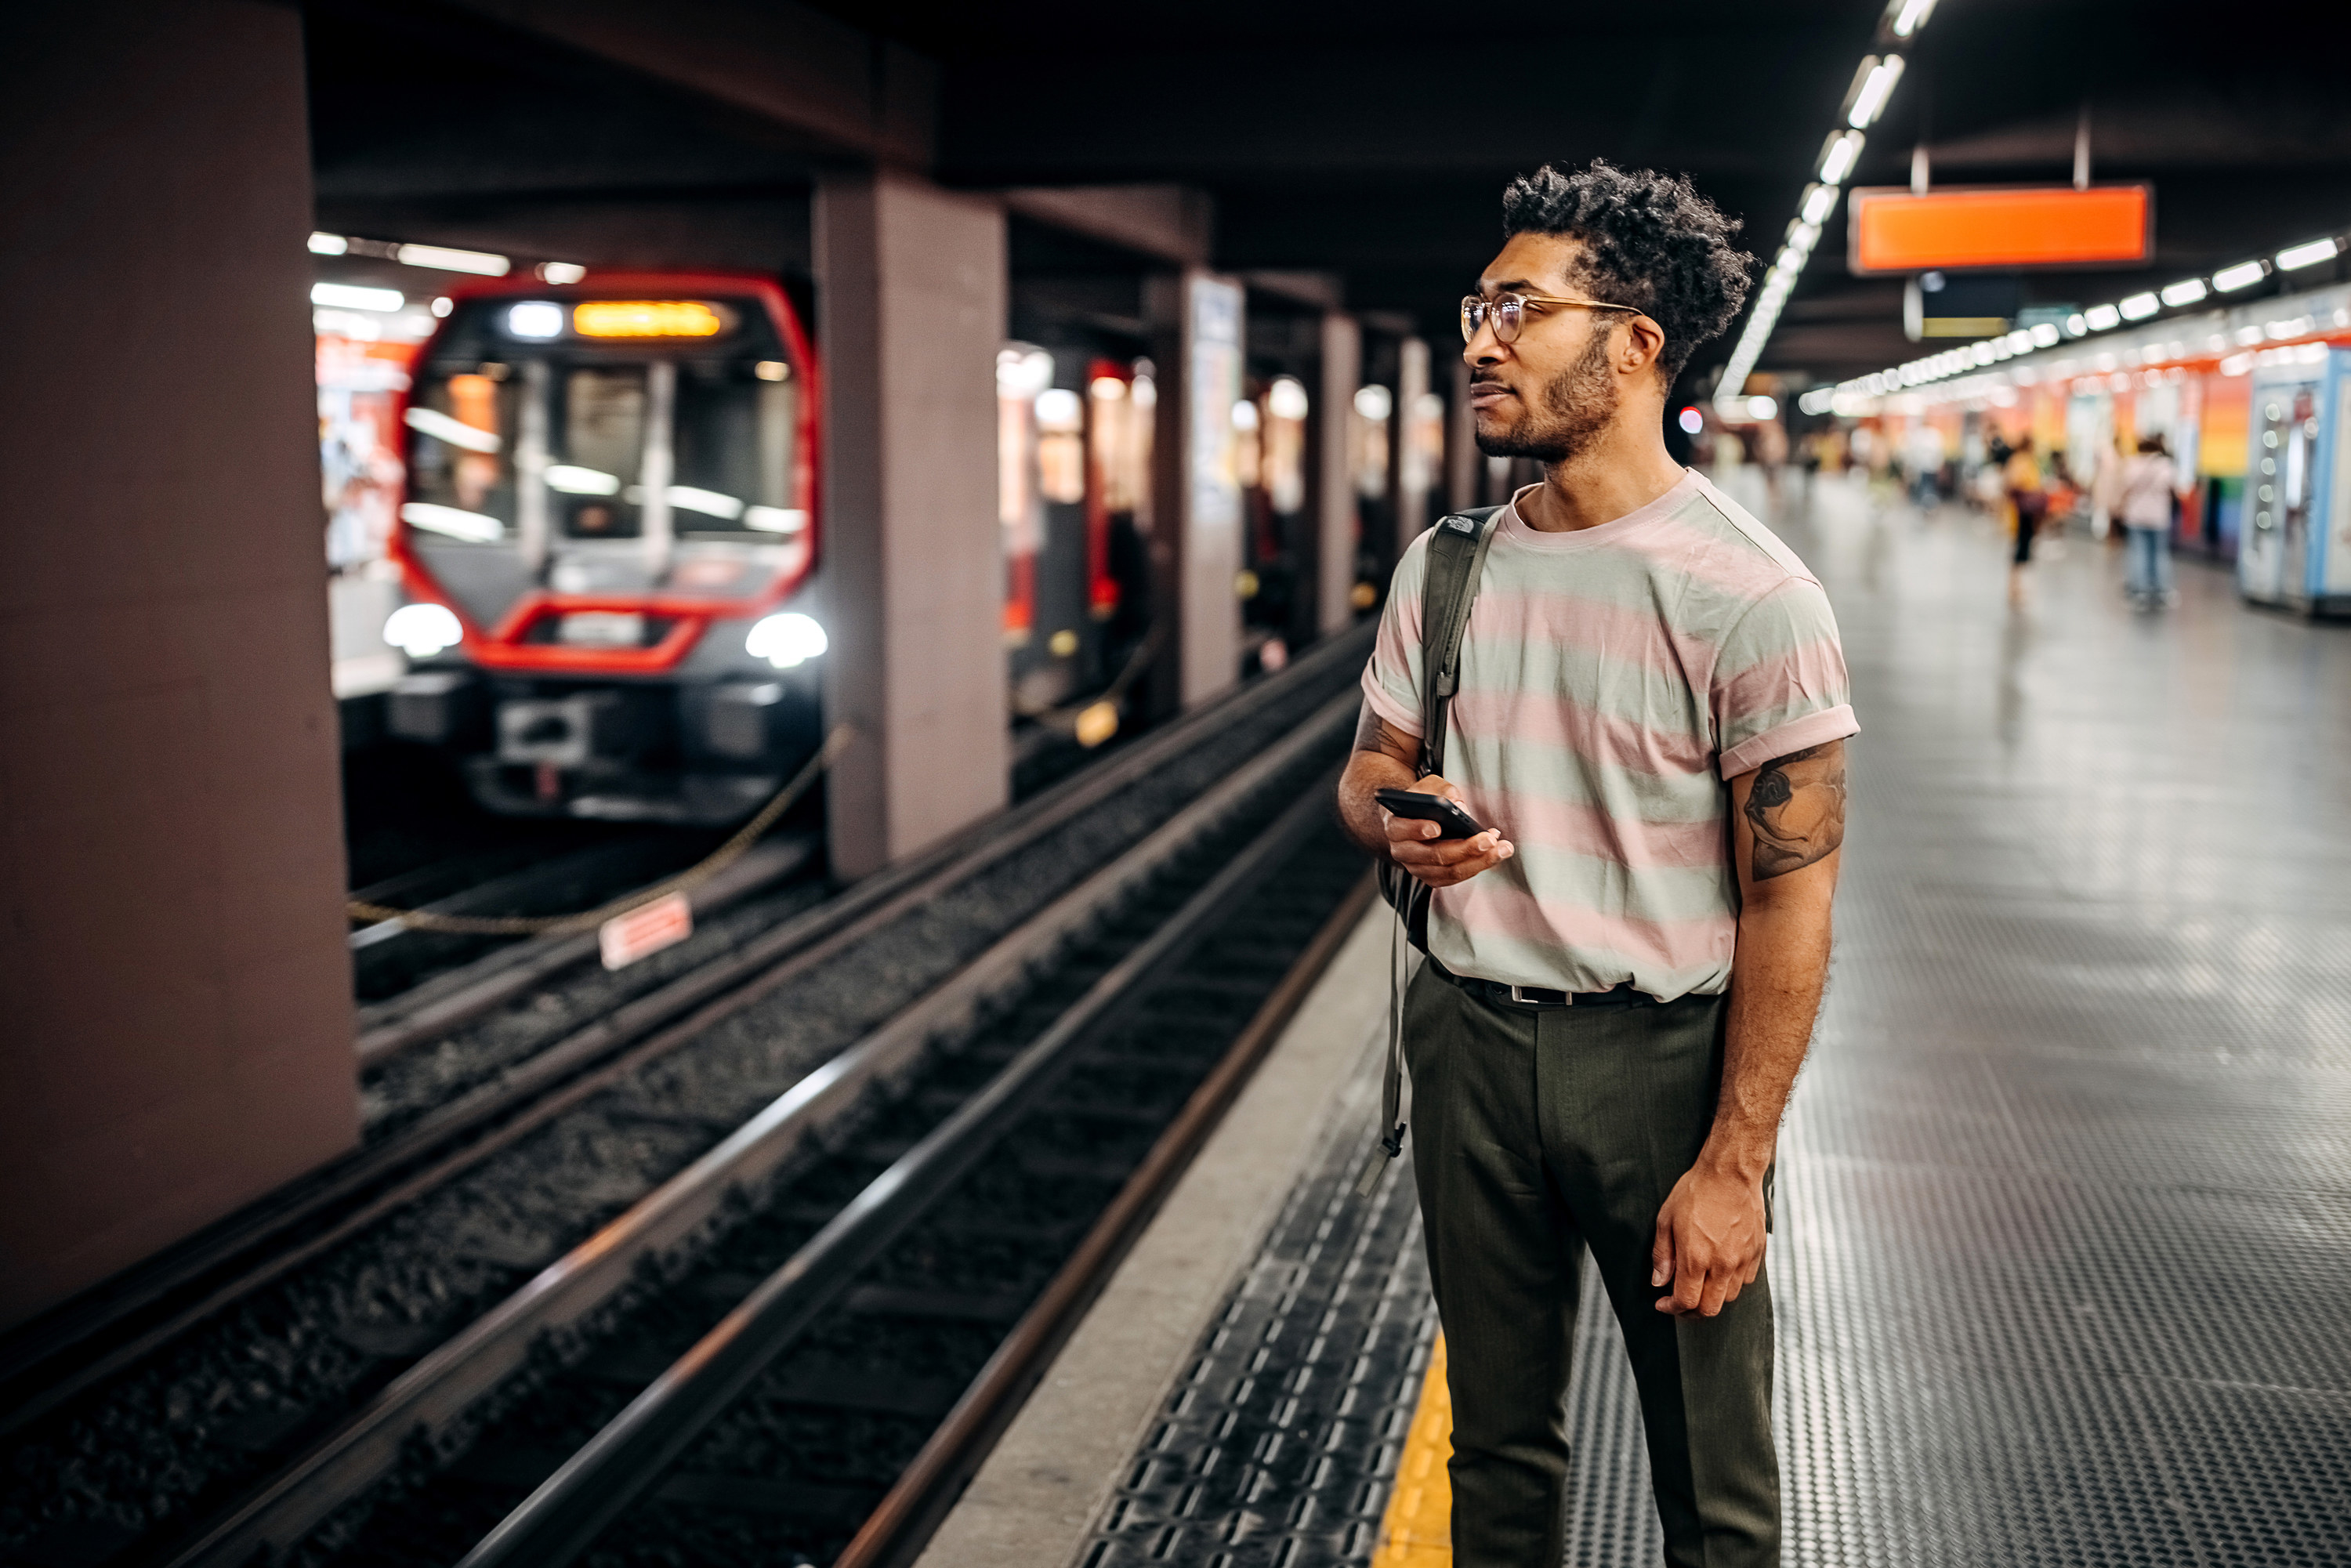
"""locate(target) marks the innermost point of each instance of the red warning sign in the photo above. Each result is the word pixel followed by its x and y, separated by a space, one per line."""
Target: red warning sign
pixel 645 930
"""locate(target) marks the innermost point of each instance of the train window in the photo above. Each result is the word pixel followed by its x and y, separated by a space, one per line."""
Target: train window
pixel 594 469
pixel 735 445
pixel 461 479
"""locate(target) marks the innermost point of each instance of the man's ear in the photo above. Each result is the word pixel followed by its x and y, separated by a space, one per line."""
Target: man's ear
pixel 1643 343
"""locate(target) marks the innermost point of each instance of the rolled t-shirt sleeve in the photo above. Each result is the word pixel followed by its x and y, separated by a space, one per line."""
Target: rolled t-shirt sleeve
pixel 1780 682
pixel 1391 679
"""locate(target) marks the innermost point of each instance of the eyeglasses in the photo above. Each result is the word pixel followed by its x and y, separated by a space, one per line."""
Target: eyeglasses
pixel 1509 312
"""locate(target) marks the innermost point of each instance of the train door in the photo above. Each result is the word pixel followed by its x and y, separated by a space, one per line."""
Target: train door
pixel 2276 546
pixel 1270 425
pixel 2272 559
pixel 1074 438
pixel 2331 479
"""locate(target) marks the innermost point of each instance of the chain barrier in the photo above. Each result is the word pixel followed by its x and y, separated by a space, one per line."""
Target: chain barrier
pixel 694 876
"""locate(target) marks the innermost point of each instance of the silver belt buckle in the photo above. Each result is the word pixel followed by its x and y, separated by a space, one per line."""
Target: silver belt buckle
pixel 1518 994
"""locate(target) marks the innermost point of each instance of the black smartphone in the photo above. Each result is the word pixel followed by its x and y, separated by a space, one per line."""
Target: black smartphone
pixel 1454 822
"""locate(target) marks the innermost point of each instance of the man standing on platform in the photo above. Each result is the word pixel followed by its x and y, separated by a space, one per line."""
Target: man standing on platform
pixel 1649 718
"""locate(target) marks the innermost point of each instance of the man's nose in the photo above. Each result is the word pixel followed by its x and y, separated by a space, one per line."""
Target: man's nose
pixel 1483 348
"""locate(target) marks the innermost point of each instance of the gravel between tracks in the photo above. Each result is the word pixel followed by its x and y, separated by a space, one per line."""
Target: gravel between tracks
pixel 206 1417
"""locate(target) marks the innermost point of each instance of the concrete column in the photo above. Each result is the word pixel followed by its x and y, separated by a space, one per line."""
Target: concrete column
pixel 1196 529
pixel 1464 464
pixel 911 313
pixel 174 978
pixel 1414 473
pixel 1334 491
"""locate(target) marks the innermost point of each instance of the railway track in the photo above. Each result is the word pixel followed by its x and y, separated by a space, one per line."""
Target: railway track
pixel 885 1312
pixel 72 1383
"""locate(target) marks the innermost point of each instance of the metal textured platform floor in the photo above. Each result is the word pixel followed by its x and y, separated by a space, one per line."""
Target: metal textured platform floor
pixel 2063 1262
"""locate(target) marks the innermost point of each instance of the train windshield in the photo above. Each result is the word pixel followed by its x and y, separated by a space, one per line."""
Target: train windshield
pixel 549 447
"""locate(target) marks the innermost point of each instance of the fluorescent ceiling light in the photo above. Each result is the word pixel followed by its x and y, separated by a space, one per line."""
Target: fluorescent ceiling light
pixel 1909 16
pixel 1819 201
pixel 328 244
pixel 474 528
pixel 2102 317
pixel 448 260
pixel 562 271
pixel 1804 235
pixel 352 297
pixel 2139 306
pixel 709 503
pixel 2187 291
pixel 2307 254
pixel 1875 86
pixel 441 427
pixel 572 480
pixel 2244 274
pixel 1842 152
pixel 2044 334
pixel 2021 339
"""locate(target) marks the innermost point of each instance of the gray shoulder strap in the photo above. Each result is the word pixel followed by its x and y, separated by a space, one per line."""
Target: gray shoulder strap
pixel 1456 559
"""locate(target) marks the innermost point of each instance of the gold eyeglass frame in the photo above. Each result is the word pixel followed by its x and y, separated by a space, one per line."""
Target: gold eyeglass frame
pixel 1476 309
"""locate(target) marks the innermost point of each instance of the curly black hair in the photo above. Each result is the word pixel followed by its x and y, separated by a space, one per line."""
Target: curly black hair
pixel 1650 241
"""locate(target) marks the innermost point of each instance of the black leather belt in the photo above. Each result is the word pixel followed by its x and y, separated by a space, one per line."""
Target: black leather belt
pixel 1500 994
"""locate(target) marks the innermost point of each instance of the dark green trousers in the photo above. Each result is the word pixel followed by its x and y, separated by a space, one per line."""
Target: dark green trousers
pixel 1537 1132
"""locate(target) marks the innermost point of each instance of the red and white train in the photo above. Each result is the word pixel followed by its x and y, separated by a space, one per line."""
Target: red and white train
pixel 609 520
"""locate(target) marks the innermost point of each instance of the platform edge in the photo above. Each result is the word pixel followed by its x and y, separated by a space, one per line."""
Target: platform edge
pixel 1034 1503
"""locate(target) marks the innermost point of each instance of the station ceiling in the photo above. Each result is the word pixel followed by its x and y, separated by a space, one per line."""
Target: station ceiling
pixel 1369 142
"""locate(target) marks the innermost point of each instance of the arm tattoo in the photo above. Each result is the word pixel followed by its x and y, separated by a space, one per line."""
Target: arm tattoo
pixel 1797 810
pixel 1372 735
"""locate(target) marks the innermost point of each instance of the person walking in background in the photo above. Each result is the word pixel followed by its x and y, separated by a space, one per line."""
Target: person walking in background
pixel 2103 484
pixel 1924 450
pixel 2143 491
pixel 2021 477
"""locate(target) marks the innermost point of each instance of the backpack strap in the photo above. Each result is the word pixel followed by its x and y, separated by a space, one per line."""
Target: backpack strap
pixel 1457 561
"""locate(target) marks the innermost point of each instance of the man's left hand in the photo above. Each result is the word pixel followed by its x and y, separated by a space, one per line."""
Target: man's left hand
pixel 1709 1241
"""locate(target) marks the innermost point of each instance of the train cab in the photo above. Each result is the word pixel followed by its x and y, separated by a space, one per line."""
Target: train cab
pixel 609 524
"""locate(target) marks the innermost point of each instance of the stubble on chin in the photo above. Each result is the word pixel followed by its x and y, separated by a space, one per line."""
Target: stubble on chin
pixel 1574 407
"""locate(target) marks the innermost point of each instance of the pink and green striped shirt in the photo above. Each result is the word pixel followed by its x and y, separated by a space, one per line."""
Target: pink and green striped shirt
pixel 1612 680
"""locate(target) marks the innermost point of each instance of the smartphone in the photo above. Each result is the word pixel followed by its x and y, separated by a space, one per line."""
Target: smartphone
pixel 1454 822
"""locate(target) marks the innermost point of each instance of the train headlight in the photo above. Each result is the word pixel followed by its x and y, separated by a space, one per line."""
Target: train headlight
pixel 786 640
pixel 538 319
pixel 420 630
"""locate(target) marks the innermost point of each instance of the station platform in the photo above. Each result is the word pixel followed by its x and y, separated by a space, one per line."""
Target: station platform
pixel 2063 1258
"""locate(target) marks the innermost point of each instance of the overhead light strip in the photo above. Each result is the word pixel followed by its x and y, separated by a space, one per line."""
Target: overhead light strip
pixel 1874 82
pixel 2133 310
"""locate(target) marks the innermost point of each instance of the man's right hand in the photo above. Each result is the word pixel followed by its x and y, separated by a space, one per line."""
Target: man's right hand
pixel 1413 844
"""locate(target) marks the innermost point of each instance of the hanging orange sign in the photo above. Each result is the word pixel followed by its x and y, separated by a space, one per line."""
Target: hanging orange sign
pixel 1894 230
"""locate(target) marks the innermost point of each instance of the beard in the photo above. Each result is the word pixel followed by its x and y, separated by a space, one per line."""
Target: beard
pixel 1574 407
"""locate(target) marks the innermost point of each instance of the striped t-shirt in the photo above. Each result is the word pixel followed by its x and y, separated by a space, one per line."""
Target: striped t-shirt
pixel 1611 680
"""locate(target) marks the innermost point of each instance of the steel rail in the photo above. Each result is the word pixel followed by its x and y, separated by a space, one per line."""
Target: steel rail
pixel 147 1305
pixel 436 1392
pixel 894 1533
pixel 563 1517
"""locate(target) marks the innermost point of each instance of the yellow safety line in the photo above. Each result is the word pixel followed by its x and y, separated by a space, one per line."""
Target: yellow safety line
pixel 1418 1531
